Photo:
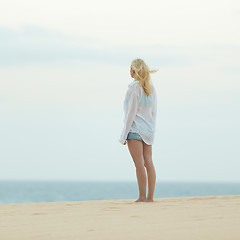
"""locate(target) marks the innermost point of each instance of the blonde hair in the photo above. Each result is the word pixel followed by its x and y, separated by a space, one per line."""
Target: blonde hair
pixel 142 74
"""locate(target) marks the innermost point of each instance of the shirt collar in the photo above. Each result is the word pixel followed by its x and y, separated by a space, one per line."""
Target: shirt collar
pixel 134 82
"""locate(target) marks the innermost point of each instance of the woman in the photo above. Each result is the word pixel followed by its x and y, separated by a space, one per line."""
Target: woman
pixel 140 107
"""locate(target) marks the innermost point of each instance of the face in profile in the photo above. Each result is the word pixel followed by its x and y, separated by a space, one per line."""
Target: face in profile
pixel 132 72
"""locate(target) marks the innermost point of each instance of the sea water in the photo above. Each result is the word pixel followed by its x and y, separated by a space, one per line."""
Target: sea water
pixel 57 191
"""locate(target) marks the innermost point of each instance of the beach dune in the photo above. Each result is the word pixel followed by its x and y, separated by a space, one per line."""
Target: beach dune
pixel 212 217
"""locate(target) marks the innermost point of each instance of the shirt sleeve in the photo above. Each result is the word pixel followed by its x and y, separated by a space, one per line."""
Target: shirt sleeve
pixel 133 101
pixel 154 110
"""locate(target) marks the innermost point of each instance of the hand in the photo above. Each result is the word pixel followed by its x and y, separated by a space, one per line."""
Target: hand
pixel 125 142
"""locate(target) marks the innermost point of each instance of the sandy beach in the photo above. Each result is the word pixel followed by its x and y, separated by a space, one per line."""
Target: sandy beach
pixel 213 217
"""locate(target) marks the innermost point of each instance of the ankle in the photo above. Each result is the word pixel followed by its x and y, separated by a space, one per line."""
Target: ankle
pixel 149 199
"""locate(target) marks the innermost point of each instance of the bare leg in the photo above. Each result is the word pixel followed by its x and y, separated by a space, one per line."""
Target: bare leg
pixel 148 163
pixel 136 150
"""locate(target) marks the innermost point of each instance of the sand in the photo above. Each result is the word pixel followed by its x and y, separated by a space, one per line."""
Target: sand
pixel 203 218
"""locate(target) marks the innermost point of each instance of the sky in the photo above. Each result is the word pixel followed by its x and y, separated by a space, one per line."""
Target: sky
pixel 64 72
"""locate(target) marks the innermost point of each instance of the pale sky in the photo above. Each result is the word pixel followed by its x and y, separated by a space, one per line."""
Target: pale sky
pixel 64 71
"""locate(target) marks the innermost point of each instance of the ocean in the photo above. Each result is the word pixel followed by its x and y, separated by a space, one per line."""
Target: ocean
pixel 58 191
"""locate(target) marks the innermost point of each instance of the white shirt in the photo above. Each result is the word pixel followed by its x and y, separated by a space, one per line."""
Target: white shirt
pixel 140 113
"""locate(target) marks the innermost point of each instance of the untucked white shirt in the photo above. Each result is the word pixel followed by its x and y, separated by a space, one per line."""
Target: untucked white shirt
pixel 140 113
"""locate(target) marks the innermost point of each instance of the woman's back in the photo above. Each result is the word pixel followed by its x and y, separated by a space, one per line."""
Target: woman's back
pixel 144 120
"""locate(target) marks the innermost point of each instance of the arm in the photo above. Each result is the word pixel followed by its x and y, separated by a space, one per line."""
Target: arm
pixel 131 113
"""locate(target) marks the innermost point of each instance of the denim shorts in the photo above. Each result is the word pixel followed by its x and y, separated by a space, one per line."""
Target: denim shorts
pixel 134 135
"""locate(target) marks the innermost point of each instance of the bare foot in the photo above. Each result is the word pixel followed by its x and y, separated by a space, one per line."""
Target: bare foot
pixel 149 200
pixel 141 200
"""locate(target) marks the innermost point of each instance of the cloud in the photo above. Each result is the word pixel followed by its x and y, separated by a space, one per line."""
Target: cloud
pixel 32 45
pixel 36 45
